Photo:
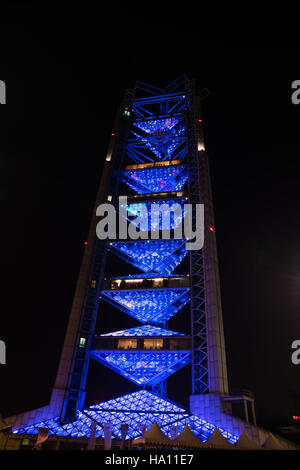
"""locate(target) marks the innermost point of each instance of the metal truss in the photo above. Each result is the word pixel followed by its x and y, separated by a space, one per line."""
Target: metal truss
pixel 159 125
pixel 158 133
pixel 160 388
pixel 157 139
pixel 198 313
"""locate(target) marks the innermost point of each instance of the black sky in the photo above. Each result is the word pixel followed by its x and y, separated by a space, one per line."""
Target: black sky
pixel 66 72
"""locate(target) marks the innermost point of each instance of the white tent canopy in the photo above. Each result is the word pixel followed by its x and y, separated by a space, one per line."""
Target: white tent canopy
pixel 272 443
pixel 154 435
pixel 245 442
pixel 188 439
pixel 218 440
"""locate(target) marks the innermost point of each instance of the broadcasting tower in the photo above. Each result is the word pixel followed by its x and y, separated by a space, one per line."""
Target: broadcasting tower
pixel 156 154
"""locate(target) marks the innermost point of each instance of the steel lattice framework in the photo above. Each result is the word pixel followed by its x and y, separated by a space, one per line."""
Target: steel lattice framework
pixel 198 312
pixel 156 151
pixel 160 256
pixel 156 179
pixel 159 151
pixel 137 409
pixel 154 305
pixel 144 330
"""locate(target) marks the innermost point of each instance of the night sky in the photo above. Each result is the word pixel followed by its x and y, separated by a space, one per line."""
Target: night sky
pixel 66 72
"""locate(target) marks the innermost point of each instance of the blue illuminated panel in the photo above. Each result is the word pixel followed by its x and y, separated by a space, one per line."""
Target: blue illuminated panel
pixel 144 330
pixel 161 136
pixel 163 149
pixel 143 210
pixel 152 276
pixel 156 179
pixel 143 368
pixel 160 256
pixel 148 306
pixel 157 126
pixel 136 409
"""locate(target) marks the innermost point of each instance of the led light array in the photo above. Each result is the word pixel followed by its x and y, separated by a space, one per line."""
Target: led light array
pixel 160 256
pixel 156 179
pixel 149 214
pixel 143 368
pixel 149 306
pixel 157 125
pixel 144 330
pixel 137 409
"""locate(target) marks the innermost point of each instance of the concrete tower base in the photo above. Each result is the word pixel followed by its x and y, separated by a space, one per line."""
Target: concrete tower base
pixel 216 408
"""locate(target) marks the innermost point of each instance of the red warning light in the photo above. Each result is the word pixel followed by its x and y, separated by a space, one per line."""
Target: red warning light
pixel 85 243
pixel 199 120
pixel 211 229
pixel 113 134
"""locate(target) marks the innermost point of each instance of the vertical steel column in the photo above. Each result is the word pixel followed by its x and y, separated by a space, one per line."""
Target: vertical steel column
pixel 160 388
pixel 217 368
pixel 198 314
pixel 209 371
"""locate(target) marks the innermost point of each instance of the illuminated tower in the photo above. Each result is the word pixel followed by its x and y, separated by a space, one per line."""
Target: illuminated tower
pixel 157 152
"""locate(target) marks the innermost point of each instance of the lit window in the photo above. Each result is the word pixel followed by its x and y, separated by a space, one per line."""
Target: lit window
pixel 153 343
pixel 82 342
pixel 159 282
pixel 115 284
pixel 109 198
pixel 127 343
